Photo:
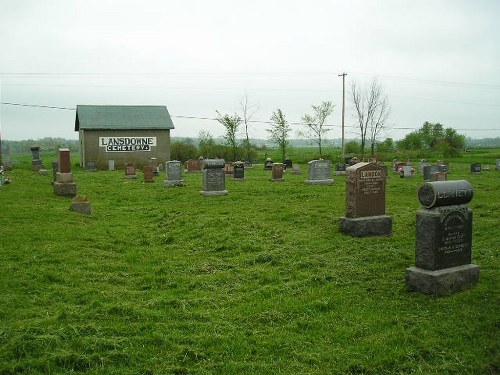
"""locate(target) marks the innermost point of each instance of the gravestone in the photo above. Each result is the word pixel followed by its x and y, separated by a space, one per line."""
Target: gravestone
pixel 421 166
pixel 268 164
pixel 64 184
pixel 174 176
pixel 229 168
pixel 439 176
pixel 214 177
pixel 55 169
pixel 475 168
pixel 319 172
pixel 36 162
pixel 81 204
pixel 193 165
pixel 296 169
pixel 429 170
pixel 153 162
pixel 407 171
pixel 148 172
pixel 365 202
pixel 340 168
pixel 287 163
pixel 239 171
pixel 277 173
pixel 497 165
pixel 248 164
pixel 111 165
pixel 90 166
pixel 130 171
pixel 443 166
pixel 443 252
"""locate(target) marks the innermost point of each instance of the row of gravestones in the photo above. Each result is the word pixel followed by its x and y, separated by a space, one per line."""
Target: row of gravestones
pixel 443 226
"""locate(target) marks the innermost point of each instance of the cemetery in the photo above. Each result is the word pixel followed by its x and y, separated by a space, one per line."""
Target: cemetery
pixel 211 272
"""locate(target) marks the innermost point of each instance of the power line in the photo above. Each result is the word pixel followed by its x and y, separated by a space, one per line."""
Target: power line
pixel 215 119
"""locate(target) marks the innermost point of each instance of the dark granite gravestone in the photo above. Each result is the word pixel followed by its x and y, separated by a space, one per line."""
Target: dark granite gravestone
pixel 443 240
pixel 268 164
pixel 475 168
pixel 148 171
pixel 36 163
pixel 214 177
pixel 423 164
pixel 174 177
pixel 64 184
pixel 239 171
pixel 287 163
pixel 277 173
pixel 340 169
pixel 365 202
pixel 319 172
pixel 130 172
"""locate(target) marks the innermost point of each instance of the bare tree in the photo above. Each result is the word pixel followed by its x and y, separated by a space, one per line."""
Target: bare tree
pixel 231 123
pixel 316 123
pixel 372 111
pixel 248 112
pixel 279 131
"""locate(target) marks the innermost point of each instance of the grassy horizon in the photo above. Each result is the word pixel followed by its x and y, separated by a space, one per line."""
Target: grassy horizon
pixel 167 281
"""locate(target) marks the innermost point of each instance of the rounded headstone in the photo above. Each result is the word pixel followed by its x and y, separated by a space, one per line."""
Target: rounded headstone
pixel 444 193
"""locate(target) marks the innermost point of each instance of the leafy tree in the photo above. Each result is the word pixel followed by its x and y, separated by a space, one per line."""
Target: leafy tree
pixel 371 112
pixel 232 124
pixel 315 123
pixel 352 147
pixel 434 137
pixel 206 144
pixel 183 151
pixel 279 131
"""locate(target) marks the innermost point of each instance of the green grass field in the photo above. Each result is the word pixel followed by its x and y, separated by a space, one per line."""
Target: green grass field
pixel 167 281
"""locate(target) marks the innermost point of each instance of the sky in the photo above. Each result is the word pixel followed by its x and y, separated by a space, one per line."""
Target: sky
pixel 436 60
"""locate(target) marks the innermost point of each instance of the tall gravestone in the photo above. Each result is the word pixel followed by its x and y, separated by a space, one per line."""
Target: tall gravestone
pixel 174 176
pixel 36 162
pixel 64 184
pixel 319 172
pixel 193 165
pixel 277 172
pixel 365 202
pixel 214 180
pixel 148 171
pixel 443 240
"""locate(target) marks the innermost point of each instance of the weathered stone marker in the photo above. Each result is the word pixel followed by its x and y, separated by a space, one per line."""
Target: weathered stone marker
pixel 148 171
pixel 130 171
pixel 64 184
pixel 365 202
pixel 475 168
pixel 277 172
pixel 239 171
pixel 36 163
pixel 268 164
pixel 214 181
pixel 174 177
pixel 320 172
pixel 193 165
pixel 81 204
pixel 443 240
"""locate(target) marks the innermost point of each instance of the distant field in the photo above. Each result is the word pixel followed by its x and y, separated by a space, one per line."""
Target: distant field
pixel 167 281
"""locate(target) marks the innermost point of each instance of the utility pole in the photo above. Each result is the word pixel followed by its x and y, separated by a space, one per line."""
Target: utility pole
pixel 343 112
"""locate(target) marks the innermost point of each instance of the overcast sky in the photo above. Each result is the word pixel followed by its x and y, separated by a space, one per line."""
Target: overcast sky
pixel 436 60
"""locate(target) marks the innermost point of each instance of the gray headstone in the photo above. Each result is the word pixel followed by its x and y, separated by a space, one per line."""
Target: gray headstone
pixel 319 172
pixel 214 179
pixel 174 175
pixel 407 171
pixel 111 165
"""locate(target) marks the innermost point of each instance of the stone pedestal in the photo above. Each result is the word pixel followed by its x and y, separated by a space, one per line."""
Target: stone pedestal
pixel 213 178
pixel 64 177
pixel 172 183
pixel 442 282
pixel 366 226
pixel 65 189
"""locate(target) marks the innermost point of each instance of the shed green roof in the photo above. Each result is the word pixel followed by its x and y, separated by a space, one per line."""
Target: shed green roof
pixel 122 117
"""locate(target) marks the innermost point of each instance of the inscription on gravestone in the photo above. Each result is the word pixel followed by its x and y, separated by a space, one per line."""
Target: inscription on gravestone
pixel 174 177
pixel 214 177
pixel 443 252
pixel 365 194
pixel 277 172
pixel 320 172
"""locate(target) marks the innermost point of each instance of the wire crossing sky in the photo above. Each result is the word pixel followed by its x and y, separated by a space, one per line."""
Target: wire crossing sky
pixel 437 61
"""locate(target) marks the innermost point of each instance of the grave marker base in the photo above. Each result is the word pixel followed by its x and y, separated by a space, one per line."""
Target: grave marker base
pixel 65 189
pixel 214 193
pixel 276 179
pixel 366 226
pixel 131 177
pixel 172 183
pixel 442 282
pixel 328 181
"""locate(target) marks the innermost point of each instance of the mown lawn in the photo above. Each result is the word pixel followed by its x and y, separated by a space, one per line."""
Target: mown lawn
pixel 167 281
